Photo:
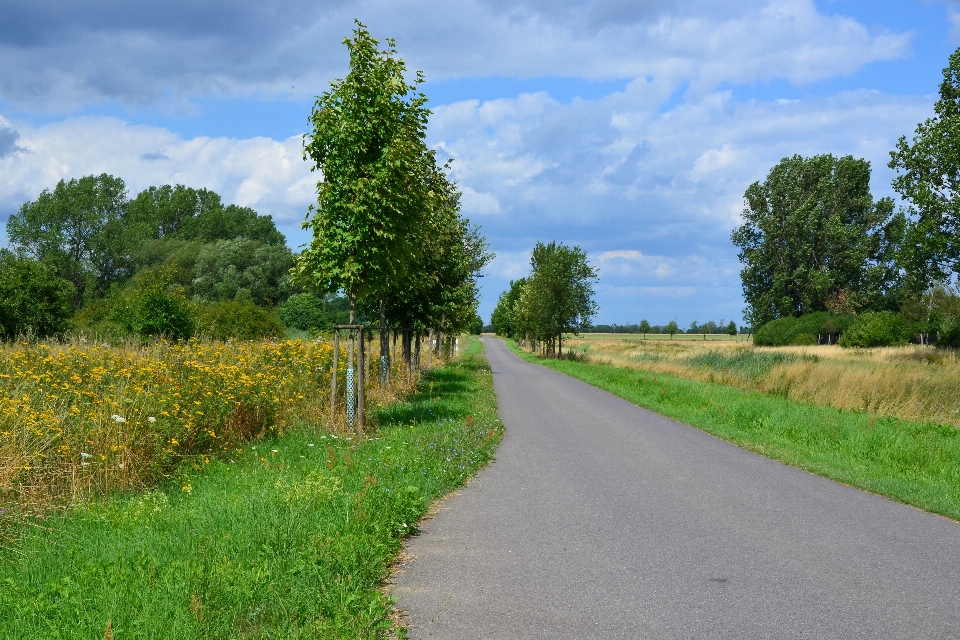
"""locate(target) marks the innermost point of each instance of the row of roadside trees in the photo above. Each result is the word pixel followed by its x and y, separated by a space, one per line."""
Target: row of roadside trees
pixel 556 298
pixel 814 241
pixel 387 230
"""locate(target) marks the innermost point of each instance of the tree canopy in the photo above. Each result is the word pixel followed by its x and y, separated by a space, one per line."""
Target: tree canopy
pixel 813 239
pixel 367 140
pixel 928 179
pixel 503 320
pixel 556 298
pixel 387 229
pixel 76 230
pixel 33 300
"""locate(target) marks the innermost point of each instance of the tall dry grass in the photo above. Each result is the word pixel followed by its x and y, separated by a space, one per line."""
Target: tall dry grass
pixel 916 383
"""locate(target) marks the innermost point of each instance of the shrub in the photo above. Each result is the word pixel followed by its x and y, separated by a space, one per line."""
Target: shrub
pixel 153 306
pixel 876 329
pixel 800 331
pixel 238 319
pixel 304 311
pixel 948 334
pixel 749 364
pixel 32 298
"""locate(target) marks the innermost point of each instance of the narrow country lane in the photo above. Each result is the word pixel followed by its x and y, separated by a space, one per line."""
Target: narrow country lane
pixel 600 519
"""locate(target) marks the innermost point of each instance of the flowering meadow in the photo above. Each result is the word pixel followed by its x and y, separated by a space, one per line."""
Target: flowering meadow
pixel 291 536
pixel 79 420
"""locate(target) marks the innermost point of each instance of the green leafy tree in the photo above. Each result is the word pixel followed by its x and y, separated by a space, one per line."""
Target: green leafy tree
pixel 476 325
pixel 876 329
pixel 813 233
pixel 558 296
pixel 367 139
pixel 732 328
pixel 33 300
pixel 929 178
pixel 171 211
pixel 502 318
pixel 238 320
pixel 241 268
pixel 644 328
pixel 672 328
pixel 440 290
pixel 76 229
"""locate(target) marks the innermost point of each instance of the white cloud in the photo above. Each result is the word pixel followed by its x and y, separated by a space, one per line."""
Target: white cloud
pixel 509 265
pixel 713 161
pixel 473 203
pixel 953 15
pixel 649 179
pixel 61 55
pixel 651 195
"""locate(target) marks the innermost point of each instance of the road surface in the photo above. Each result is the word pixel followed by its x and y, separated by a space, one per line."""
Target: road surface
pixel 600 519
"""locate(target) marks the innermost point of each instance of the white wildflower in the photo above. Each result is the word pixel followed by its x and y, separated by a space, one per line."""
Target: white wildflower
pixel 117 418
pixel 151 420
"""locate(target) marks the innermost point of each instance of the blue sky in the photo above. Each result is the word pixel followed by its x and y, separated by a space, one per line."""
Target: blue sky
pixel 631 128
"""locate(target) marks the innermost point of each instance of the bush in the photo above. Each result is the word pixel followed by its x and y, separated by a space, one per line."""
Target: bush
pixel 948 334
pixel 238 319
pixel 32 299
pixel 305 312
pixel 476 325
pixel 153 306
pixel 800 331
pixel 876 329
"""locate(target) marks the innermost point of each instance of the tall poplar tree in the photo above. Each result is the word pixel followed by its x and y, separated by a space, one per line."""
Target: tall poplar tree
pixel 813 238
pixel 367 140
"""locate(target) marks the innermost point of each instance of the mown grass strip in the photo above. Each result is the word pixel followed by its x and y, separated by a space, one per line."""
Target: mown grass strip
pixel 291 540
pixel 915 463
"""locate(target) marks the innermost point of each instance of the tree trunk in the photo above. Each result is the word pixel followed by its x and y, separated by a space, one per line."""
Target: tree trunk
pixel 443 320
pixel 416 354
pixel 384 343
pixel 407 352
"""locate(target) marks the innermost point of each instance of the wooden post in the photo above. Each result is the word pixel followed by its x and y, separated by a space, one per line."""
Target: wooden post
pixel 333 378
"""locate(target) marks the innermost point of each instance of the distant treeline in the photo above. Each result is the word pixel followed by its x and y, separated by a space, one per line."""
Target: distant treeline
pixel 709 328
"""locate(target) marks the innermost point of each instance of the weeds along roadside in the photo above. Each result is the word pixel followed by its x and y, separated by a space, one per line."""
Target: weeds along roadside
pixel 912 462
pixel 81 420
pixel 292 538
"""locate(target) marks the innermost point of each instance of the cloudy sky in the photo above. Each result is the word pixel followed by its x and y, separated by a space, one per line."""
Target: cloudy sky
pixel 628 127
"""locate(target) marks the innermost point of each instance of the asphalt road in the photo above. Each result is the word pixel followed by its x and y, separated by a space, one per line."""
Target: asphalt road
pixel 600 519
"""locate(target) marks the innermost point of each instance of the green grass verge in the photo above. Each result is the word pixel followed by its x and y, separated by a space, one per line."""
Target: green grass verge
pixel 918 464
pixel 291 540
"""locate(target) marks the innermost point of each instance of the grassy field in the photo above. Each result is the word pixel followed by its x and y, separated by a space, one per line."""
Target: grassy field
pixel 916 383
pixel 290 538
pixel 917 463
